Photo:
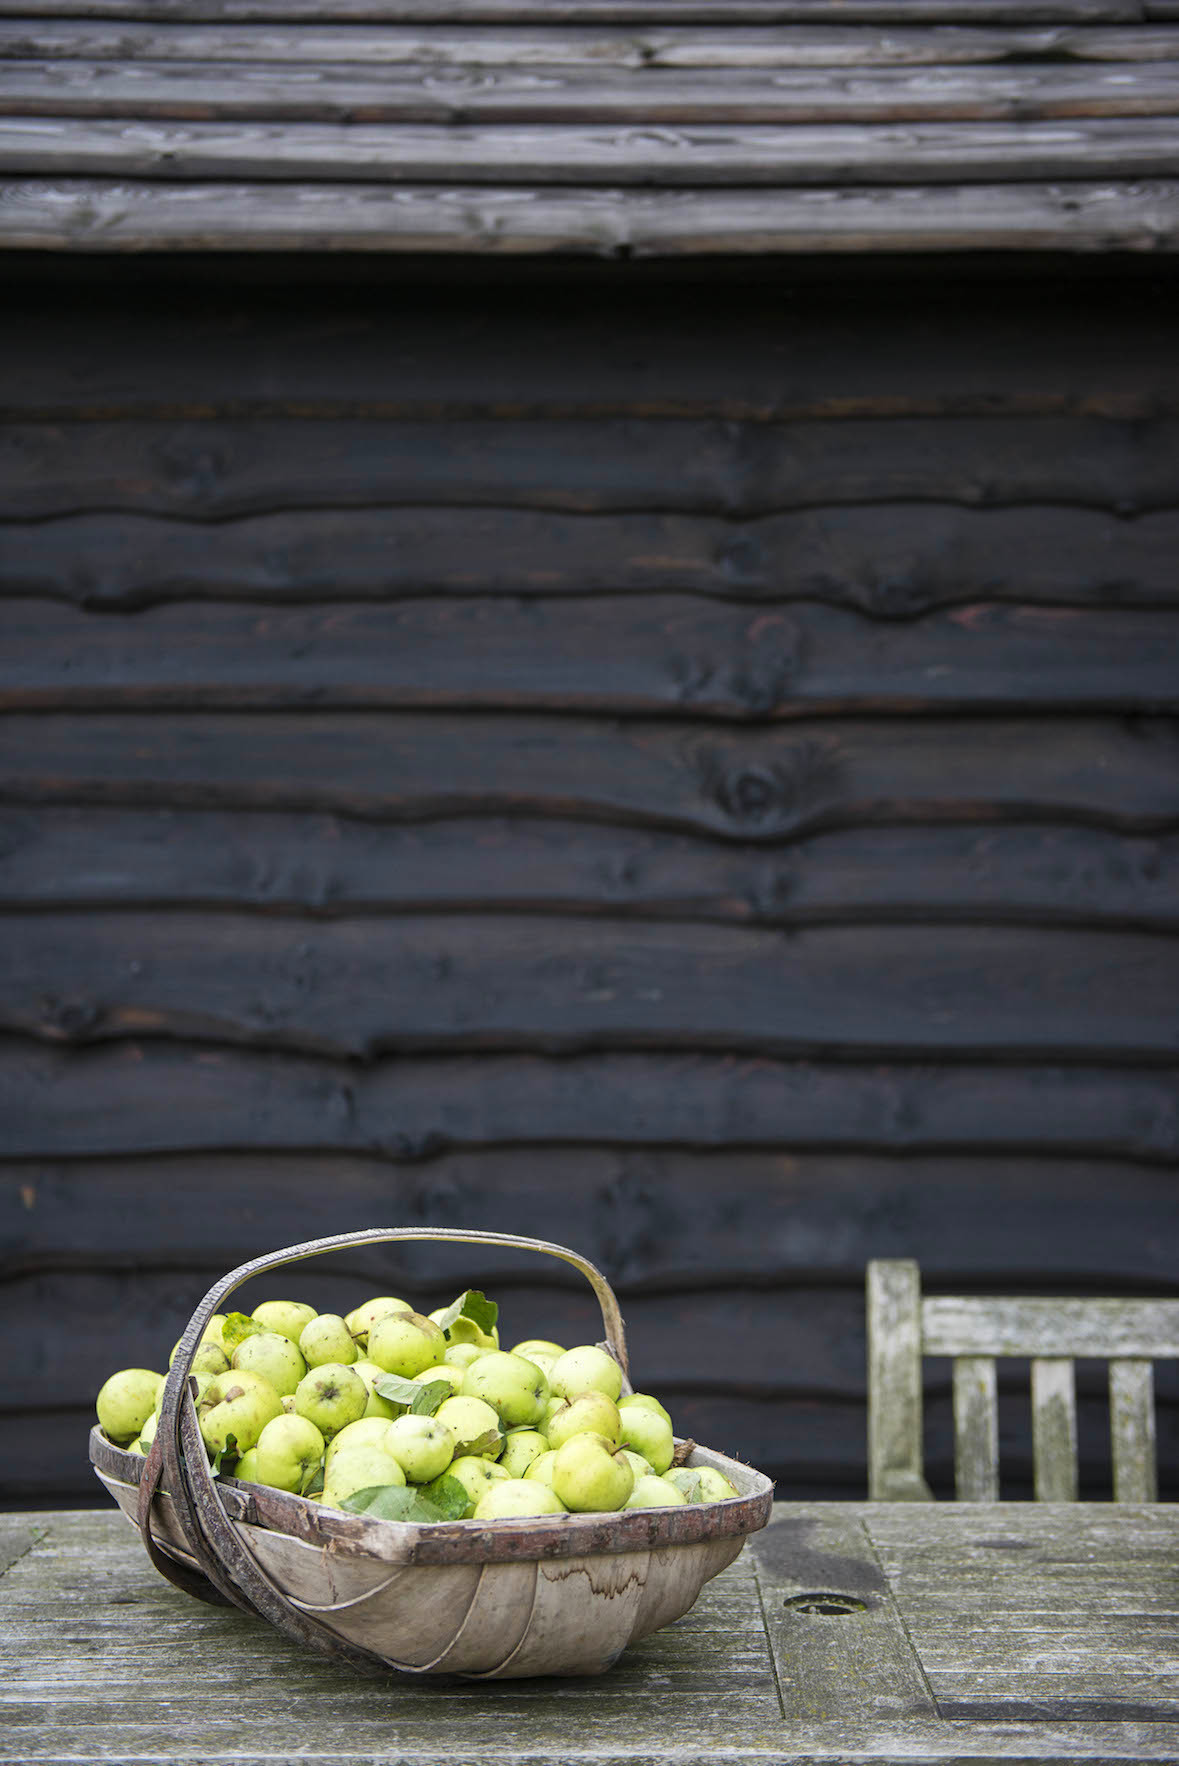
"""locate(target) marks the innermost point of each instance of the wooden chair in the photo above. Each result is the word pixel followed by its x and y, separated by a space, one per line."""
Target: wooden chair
pixel 903 1327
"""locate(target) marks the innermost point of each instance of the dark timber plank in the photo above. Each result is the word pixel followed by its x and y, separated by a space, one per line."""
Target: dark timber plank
pixel 887 559
pixel 66 857
pixel 99 215
pixel 646 46
pixel 983 347
pixel 822 154
pixel 216 469
pixel 662 1222
pixel 240 92
pixel 766 784
pixel 142 1098
pixel 359 987
pixel 660 653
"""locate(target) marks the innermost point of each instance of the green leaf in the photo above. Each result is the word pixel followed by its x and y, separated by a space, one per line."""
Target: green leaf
pixel 316 1484
pixel 431 1394
pixel 237 1327
pixel 479 1445
pixel 399 1391
pixel 473 1305
pixel 443 1500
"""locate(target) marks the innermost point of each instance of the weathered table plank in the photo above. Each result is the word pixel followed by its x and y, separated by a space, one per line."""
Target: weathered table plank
pixel 942 1663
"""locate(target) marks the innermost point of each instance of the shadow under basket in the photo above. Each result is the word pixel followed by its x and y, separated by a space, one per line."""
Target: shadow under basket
pixel 546 1594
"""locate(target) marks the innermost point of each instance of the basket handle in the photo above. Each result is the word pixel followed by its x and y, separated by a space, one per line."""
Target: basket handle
pixel 232 1575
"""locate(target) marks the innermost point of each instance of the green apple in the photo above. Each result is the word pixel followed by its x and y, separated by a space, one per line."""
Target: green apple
pixel 125 1402
pixel 685 1479
pixel 649 1434
pixel 521 1447
pixel 210 1358
pixel 591 1413
pixel 327 1338
pixel 359 1469
pixel 516 1496
pixel 148 1435
pixel 587 1476
pixel 405 1343
pixel 331 1397
pixel 542 1468
pixel 246 1469
pixel 444 1374
pixel 422 1446
pixel 714 1486
pixel 288 1403
pixel 203 1381
pixel 288 1453
pixel 642 1468
pixel 361 1319
pixel 461 1355
pixel 465 1330
pixel 553 1408
pixel 515 1389
pixel 273 1356
pixel 476 1476
pixel 369 1431
pixel 370 1373
pixel 237 1405
pixel 287 1317
pixel 587 1369
pixel 469 1421
pixel 538 1346
pixel 644 1401
pixel 654 1492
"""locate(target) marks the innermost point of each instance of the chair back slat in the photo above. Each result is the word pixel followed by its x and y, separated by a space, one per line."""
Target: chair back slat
pixel 976 1429
pixel 1147 1329
pixel 1054 1428
pixel 894 1382
pixel 1131 1428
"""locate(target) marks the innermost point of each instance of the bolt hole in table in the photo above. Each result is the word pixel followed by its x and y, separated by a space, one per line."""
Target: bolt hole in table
pixel 889 1632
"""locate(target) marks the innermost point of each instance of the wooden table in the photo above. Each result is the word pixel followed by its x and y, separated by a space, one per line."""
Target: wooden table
pixel 887 1632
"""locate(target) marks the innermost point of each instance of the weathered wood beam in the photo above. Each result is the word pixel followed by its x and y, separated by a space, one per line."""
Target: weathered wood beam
pixel 641 12
pixel 72 214
pixel 831 154
pixel 731 97
pixel 594 46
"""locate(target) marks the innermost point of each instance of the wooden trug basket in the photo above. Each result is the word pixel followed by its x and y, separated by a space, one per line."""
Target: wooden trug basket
pixel 546 1594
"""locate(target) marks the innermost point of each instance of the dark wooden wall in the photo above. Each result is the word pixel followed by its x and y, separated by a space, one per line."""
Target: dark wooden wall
pixel 683 766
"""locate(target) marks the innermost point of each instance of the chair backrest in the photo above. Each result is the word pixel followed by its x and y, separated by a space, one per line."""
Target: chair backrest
pixel 903 1327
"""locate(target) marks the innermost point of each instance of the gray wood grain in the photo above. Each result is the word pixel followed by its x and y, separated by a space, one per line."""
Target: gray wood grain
pixel 1132 1429
pixel 676 154
pixel 128 215
pixel 976 1429
pixel 1054 1428
pixel 641 12
pixel 1049 1328
pixel 831 1663
pixel 109 1658
pixel 893 1302
pixel 640 45
pixel 245 92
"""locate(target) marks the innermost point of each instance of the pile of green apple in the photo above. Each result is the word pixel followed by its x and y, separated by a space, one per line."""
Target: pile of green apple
pixel 392 1413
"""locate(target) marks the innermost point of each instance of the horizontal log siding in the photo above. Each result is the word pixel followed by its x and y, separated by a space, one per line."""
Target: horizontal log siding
pixel 690 772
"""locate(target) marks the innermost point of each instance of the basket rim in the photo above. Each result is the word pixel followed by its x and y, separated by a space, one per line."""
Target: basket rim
pixel 502 1541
